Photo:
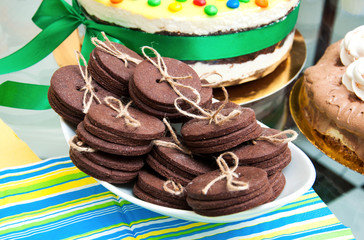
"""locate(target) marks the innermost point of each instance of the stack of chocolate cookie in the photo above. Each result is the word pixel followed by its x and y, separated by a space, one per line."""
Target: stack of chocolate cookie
pixel 103 130
pixel 105 166
pixel 154 89
pixel 205 136
pixel 150 187
pixel 112 65
pixel 172 163
pixel 70 92
pixel 210 194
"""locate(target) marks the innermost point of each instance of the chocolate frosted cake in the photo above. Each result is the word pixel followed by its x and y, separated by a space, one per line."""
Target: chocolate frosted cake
pixel 334 93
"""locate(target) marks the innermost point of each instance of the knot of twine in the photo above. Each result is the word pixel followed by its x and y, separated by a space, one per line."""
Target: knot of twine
pixel 122 111
pixel 177 188
pixel 276 138
pixel 176 144
pixel 212 116
pixel 110 48
pixel 161 66
pixel 229 174
pixel 79 145
pixel 88 88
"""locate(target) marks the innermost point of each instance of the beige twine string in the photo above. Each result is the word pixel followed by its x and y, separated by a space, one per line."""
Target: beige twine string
pixel 79 145
pixel 176 144
pixel 177 188
pixel 88 88
pixel 276 137
pixel 212 116
pixel 122 111
pixel 110 48
pixel 204 76
pixel 161 66
pixel 229 174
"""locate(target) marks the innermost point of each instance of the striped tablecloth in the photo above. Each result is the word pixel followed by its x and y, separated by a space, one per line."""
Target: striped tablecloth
pixel 52 199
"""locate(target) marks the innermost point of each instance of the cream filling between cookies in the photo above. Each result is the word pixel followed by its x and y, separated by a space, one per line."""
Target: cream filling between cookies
pixel 235 71
pixel 138 15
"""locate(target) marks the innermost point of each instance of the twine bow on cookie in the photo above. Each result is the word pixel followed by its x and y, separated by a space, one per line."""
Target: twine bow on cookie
pixel 176 144
pixel 229 174
pixel 79 145
pixel 161 66
pixel 212 116
pixel 177 188
pixel 276 138
pixel 122 111
pixel 110 48
pixel 88 88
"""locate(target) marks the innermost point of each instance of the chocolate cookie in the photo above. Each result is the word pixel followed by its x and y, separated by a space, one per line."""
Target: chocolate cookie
pixel 111 71
pixel 67 90
pixel 109 147
pixel 277 181
pixel 151 188
pixel 106 167
pixel 205 136
pixel 153 94
pixel 212 194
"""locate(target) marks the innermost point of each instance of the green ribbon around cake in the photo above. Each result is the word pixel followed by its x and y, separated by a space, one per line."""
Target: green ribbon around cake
pixel 58 20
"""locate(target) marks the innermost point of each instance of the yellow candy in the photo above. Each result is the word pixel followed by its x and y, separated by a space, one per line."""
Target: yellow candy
pixel 175 7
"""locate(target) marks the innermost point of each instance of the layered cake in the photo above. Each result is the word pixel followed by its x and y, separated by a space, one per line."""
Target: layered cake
pixel 240 40
pixel 333 94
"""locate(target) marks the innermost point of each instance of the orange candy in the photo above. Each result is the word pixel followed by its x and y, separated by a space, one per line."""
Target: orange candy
pixel 116 1
pixel 262 3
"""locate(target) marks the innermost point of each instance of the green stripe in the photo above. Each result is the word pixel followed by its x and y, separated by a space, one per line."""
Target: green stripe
pixel 42 185
pixel 331 235
pixel 116 226
pixel 57 218
pixel 80 200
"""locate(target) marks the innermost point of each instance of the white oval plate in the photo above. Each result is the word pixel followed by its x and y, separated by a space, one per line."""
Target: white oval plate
pixel 300 175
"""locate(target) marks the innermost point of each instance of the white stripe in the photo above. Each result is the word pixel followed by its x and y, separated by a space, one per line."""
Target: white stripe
pixel 20 173
pixel 36 178
pixel 259 220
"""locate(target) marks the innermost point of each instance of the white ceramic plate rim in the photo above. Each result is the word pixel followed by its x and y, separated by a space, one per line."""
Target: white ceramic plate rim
pixel 300 175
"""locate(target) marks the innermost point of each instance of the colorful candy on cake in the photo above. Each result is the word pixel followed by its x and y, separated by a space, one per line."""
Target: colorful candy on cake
pixel 241 40
pixel 334 96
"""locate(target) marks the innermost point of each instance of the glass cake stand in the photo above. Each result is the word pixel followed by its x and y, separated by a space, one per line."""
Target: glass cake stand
pixel 296 104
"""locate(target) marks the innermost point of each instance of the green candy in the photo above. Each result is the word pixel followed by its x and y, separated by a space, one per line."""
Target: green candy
pixel 154 3
pixel 181 0
pixel 210 10
pixel 244 1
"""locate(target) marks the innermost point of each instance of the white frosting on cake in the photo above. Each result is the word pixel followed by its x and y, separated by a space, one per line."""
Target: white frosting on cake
pixel 353 78
pixel 352 47
pixel 191 19
pixel 231 72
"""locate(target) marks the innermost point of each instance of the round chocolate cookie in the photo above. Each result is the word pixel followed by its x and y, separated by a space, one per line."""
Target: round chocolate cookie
pixel 212 195
pixel 104 117
pixel 66 93
pixel 112 169
pixel 110 71
pixel 152 188
pixel 205 136
pixel 109 147
pixel 258 150
pixel 254 177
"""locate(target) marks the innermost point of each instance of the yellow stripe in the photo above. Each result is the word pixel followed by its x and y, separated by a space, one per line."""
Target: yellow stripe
pixel 48 191
pixel 300 228
pixel 168 230
pixel 59 207
pixel 38 179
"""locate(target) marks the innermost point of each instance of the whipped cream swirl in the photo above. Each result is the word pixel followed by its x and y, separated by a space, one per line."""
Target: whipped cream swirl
pixel 353 79
pixel 352 47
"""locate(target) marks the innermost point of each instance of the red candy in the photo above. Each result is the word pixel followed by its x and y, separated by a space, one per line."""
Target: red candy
pixel 116 1
pixel 199 2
